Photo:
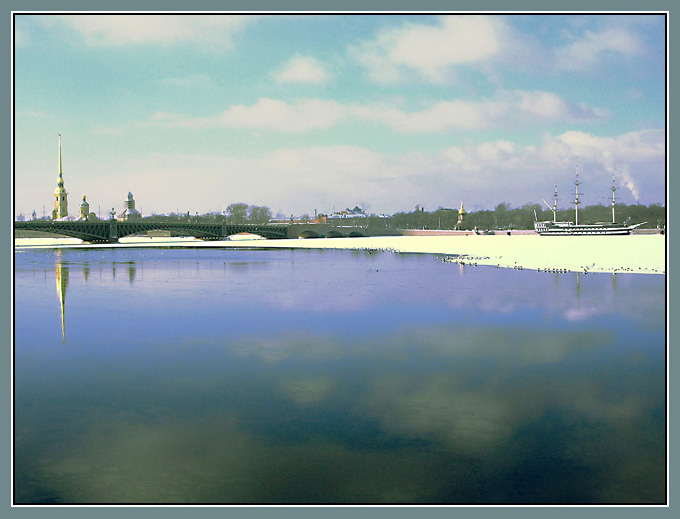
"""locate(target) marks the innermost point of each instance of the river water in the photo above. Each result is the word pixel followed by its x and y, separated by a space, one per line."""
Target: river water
pixel 305 376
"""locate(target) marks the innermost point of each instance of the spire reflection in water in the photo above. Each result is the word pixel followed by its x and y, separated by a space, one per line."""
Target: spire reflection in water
pixel 62 284
pixel 62 268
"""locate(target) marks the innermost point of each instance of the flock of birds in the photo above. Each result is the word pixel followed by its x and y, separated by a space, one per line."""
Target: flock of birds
pixel 473 261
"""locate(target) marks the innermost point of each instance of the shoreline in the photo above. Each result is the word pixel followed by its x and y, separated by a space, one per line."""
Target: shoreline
pixel 644 253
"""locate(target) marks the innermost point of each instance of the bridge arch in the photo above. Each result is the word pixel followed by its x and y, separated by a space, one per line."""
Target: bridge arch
pixel 200 231
pixel 334 234
pixel 309 234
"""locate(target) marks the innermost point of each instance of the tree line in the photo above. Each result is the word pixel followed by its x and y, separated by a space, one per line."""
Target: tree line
pixel 238 213
pixel 503 216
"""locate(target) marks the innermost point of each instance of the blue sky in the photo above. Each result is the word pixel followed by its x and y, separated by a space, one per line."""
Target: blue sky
pixel 304 112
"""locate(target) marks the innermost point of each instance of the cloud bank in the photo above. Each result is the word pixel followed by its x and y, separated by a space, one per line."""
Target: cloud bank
pixel 506 110
pixel 303 179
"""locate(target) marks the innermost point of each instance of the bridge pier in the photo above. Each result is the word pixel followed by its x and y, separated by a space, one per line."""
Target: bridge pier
pixel 113 232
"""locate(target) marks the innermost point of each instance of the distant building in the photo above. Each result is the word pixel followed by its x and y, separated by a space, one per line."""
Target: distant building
pixel 130 212
pixel 60 195
pixel 357 212
pixel 345 217
pixel 461 215
pixel 84 209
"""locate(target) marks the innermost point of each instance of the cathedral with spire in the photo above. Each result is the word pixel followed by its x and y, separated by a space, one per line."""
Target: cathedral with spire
pixel 60 195
pixel 60 211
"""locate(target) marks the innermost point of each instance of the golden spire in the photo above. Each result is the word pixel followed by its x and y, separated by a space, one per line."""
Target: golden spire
pixel 60 195
pixel 61 178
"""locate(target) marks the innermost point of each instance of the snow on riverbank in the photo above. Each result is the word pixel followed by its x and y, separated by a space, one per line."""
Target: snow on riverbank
pixel 635 253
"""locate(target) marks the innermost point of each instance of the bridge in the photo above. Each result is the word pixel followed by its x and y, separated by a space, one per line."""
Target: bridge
pixel 110 231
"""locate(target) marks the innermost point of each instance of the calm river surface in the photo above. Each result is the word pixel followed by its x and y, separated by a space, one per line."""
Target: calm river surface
pixel 300 376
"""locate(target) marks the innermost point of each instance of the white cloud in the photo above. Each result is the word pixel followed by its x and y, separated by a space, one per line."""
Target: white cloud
pixel 587 51
pixel 633 146
pixel 508 109
pixel 635 158
pixel 303 179
pixel 617 154
pixel 271 114
pixel 442 116
pixel 129 29
pixel 431 50
pixel 501 155
pixel 568 148
pixel 303 69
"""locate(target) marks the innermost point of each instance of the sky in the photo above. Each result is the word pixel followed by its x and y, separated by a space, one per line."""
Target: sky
pixel 305 113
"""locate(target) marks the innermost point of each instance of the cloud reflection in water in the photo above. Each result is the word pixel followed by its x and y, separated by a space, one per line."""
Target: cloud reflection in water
pixel 458 389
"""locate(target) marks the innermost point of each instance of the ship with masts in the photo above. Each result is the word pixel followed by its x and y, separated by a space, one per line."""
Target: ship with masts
pixel 555 228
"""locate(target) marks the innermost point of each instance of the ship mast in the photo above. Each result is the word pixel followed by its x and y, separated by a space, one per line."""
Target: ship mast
pixel 576 202
pixel 613 199
pixel 554 207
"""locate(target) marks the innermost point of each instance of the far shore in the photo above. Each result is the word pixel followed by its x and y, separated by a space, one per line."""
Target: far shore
pixel 645 253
